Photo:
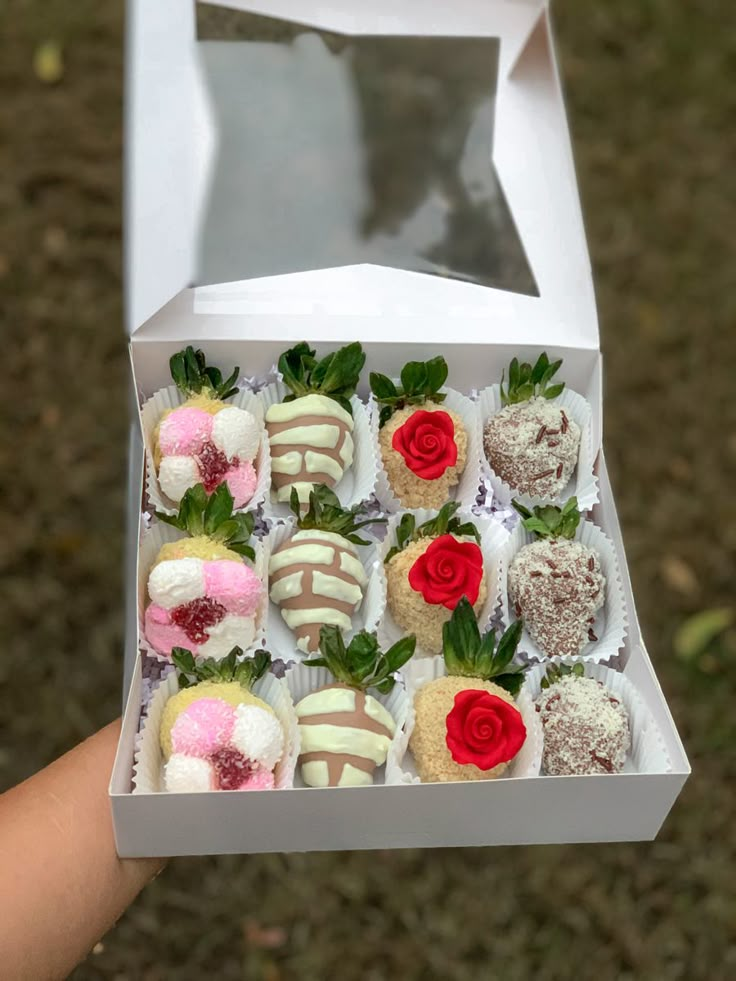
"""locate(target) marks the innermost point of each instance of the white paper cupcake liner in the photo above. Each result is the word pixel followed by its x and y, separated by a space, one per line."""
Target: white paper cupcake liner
pixel 169 398
pixel 160 534
pixel 148 765
pixel 466 490
pixel 303 680
pixel 493 543
pixel 280 639
pixel 359 480
pixel 526 763
pixel 611 622
pixel 583 484
pixel 648 753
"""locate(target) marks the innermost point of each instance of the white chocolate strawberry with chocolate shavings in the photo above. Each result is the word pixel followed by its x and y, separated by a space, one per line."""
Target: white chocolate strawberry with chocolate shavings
pixel 423 444
pixel 532 444
pixel 586 726
pixel 346 732
pixel 555 583
pixel 204 596
pixel 311 432
pixel 204 440
pixel 317 576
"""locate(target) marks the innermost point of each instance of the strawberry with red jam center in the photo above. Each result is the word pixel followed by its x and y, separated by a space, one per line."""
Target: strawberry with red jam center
pixel 213 466
pixel 196 617
pixel 423 445
pixel 232 768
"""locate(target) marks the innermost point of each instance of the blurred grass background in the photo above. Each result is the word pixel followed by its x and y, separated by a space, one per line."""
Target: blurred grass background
pixel 651 90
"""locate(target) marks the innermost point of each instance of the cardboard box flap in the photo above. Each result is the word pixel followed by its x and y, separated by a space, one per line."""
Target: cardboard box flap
pixel 174 144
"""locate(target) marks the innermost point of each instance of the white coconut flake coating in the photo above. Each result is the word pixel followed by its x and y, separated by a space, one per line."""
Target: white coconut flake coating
pixel 236 432
pixel 557 587
pixel 586 728
pixel 176 581
pixel 177 474
pixel 258 735
pixel 533 446
pixel 231 631
pixel 188 775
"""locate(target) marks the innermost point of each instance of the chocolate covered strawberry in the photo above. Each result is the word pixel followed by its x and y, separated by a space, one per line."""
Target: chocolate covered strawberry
pixel 556 583
pixel 317 576
pixel 310 431
pixel 428 571
pixel 532 443
pixel 215 733
pixel 346 732
pixel 204 440
pixel 467 726
pixel 423 444
pixel 204 595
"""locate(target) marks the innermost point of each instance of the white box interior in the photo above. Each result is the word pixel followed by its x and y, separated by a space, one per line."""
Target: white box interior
pixel 172 142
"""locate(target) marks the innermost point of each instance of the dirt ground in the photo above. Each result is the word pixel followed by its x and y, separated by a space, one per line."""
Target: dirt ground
pixel 652 95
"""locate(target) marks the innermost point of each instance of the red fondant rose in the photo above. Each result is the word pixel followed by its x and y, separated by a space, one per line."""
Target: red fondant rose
pixel 447 571
pixel 427 443
pixel 484 729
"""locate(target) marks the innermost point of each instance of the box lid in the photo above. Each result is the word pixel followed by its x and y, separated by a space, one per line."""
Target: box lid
pixel 172 146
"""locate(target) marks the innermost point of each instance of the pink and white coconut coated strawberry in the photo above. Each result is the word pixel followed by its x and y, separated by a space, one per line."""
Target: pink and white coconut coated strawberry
pixel 217 746
pixel 204 440
pixel 204 595
pixel 208 607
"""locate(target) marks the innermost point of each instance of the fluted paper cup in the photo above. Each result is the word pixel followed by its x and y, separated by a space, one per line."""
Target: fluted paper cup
pixel 170 398
pixel 303 680
pixel 648 753
pixel 583 484
pixel 148 766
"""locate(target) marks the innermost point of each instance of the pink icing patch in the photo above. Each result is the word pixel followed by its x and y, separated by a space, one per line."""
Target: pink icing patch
pixel 234 584
pixel 162 634
pixel 203 727
pixel 242 482
pixel 259 780
pixel 184 432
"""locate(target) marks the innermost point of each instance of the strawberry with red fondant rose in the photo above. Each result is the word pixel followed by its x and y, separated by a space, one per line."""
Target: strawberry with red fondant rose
pixel 423 443
pixel 429 569
pixel 467 724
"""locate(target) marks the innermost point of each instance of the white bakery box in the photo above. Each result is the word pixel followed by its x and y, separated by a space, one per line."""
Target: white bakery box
pixel 179 90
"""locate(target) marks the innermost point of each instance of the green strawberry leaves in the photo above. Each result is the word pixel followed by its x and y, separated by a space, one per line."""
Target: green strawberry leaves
pixel 326 513
pixel 246 672
pixel 192 375
pixel 200 514
pixel 336 375
pixel 362 664
pixel 470 655
pixel 421 382
pixel 549 521
pixel 526 380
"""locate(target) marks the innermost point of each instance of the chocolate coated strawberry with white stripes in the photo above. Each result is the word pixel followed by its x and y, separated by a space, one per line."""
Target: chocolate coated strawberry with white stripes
pixel 532 443
pixel 555 583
